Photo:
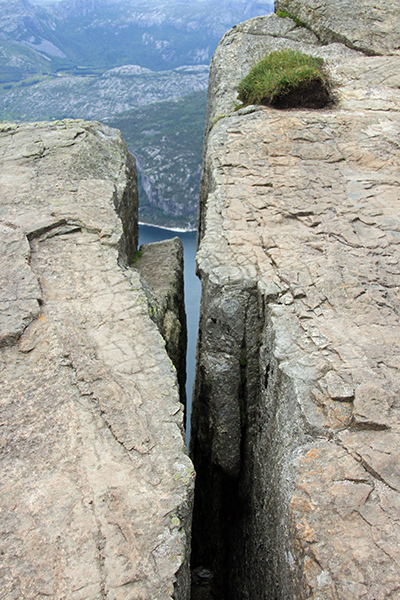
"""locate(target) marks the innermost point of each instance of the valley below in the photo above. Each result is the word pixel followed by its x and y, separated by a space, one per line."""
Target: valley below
pixel 97 97
pixel 160 114
pixel 168 161
pixel 142 68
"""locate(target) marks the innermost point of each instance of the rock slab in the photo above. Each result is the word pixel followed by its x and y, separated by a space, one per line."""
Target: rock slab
pixel 296 415
pixel 95 484
pixel 161 266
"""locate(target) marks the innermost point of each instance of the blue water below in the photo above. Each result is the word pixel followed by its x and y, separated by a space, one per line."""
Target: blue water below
pixel 149 234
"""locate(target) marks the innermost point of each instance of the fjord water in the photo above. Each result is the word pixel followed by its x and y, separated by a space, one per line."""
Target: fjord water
pixel 149 234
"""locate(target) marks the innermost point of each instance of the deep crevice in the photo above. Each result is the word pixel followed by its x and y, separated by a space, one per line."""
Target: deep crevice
pixel 241 526
pixel 224 509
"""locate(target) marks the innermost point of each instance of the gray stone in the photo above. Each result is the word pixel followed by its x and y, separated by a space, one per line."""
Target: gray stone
pixel 20 292
pixel 296 420
pixel 362 24
pixel 337 388
pixel 161 266
pixel 372 406
pixel 96 486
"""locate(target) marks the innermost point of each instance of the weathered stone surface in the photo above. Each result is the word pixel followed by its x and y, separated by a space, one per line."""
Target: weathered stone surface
pixel 161 266
pixel 95 485
pixel 20 292
pixel 295 427
pixel 373 27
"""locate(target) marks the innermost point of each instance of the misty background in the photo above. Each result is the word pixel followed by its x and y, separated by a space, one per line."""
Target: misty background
pixel 140 66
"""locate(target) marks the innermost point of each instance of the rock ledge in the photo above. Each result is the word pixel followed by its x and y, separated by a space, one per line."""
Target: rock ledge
pixel 96 487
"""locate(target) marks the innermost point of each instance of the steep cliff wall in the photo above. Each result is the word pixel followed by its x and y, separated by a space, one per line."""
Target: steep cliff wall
pixel 295 426
pixel 96 488
pixel 161 266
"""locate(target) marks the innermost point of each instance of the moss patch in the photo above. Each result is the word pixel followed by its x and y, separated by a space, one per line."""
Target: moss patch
pixel 283 14
pixel 287 79
pixel 139 254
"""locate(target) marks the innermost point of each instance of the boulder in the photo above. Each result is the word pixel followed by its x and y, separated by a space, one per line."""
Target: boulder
pixel 161 266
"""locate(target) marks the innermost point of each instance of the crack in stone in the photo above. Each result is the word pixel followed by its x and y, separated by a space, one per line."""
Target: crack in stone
pixel 365 464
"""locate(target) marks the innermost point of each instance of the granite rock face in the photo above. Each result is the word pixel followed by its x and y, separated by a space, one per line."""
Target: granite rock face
pixel 366 25
pixel 296 416
pixel 161 266
pixel 96 488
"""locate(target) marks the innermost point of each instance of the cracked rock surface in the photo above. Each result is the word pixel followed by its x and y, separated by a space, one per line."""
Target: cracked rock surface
pixel 95 484
pixel 361 24
pixel 297 389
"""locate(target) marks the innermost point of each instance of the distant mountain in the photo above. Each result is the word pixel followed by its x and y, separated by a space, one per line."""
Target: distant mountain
pixel 128 62
pixel 109 33
pixel 96 97
pixel 169 160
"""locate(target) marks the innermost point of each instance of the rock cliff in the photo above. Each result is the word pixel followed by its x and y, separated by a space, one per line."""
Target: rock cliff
pixel 295 424
pixel 96 487
pixel 161 266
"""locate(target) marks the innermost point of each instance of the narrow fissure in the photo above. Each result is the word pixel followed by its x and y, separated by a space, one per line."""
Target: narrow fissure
pixel 149 234
pixel 240 537
pixel 226 547
pixel 239 519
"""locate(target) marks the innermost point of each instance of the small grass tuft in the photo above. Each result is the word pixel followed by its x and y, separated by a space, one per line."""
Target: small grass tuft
pixel 139 254
pixel 283 14
pixel 287 79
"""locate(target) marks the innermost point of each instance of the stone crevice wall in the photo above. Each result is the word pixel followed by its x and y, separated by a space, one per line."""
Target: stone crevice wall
pixel 161 266
pixel 299 212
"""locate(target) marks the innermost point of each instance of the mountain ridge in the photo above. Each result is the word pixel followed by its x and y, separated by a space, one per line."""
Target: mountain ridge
pixel 99 59
pixel 70 25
